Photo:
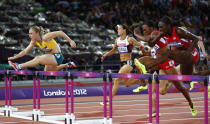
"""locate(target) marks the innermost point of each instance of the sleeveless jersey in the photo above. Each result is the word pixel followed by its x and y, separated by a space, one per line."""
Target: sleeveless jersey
pixel 46 46
pixel 123 46
pixel 160 44
pixel 168 64
pixel 175 41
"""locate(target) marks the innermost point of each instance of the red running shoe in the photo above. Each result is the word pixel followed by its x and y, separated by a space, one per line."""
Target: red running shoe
pixel 71 64
pixel 16 66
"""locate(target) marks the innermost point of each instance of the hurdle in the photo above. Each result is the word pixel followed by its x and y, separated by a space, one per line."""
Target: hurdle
pixel 72 120
pixel 92 75
pixel 8 109
pixel 206 79
pixel 38 115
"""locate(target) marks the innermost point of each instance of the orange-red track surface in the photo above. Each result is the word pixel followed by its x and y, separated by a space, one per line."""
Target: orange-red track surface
pixel 127 109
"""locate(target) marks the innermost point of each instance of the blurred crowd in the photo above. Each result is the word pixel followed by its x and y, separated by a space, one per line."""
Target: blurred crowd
pixel 135 12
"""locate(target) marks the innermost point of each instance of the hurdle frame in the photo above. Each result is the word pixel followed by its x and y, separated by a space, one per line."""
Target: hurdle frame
pixel 206 79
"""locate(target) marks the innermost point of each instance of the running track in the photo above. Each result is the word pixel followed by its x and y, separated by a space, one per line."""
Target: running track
pixel 127 109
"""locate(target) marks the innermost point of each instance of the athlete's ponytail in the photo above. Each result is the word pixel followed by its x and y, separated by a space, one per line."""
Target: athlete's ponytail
pixel 127 28
pixel 39 29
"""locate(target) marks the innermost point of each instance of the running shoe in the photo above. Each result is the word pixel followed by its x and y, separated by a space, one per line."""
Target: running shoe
pixel 71 64
pixel 193 110
pixel 16 66
pixel 102 103
pixel 140 88
pixel 208 91
pixel 140 66
pixel 192 85
pixel 154 114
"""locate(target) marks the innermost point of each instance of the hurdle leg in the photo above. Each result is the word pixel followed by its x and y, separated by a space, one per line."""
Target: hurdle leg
pixel 72 116
pixel 150 100
pixel 10 92
pixel 67 119
pixel 34 100
pixel 6 96
pixel 110 99
pixel 105 100
pixel 157 100
pixel 38 99
pixel 206 101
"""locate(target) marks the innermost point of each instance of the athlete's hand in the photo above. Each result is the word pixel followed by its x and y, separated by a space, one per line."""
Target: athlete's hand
pixel 206 56
pixel 102 58
pixel 73 44
pixel 141 48
pixel 199 38
pixel 11 58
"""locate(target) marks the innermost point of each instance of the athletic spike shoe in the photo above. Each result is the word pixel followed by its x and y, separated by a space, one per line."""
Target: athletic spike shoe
pixel 102 103
pixel 140 88
pixel 140 66
pixel 208 91
pixel 71 64
pixel 193 111
pixel 154 114
pixel 16 66
pixel 192 85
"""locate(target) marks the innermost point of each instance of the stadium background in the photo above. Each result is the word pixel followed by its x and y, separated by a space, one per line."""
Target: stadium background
pixel 90 23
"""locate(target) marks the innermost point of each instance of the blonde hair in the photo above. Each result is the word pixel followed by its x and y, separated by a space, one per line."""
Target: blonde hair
pixel 39 29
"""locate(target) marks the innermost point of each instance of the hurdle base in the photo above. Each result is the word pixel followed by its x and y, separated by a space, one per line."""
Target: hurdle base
pixel 55 119
pixel 8 110
pixel 98 121
pixel 27 113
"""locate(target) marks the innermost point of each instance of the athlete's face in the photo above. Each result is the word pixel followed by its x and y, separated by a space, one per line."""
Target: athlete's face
pixel 163 27
pixel 146 30
pixel 33 34
pixel 120 30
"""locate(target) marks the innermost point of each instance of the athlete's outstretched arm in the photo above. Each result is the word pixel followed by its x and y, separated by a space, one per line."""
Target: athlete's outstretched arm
pixel 51 35
pixel 200 43
pixel 155 38
pixel 111 52
pixel 140 37
pixel 183 33
pixel 135 42
pixel 24 52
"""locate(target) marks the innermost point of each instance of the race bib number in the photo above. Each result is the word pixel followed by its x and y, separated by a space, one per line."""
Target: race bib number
pixel 171 63
pixel 153 53
pixel 122 49
pixel 194 53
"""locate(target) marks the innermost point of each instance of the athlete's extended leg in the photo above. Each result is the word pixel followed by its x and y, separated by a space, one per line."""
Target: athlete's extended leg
pixel 124 69
pixel 37 60
pixel 40 60
pixel 186 94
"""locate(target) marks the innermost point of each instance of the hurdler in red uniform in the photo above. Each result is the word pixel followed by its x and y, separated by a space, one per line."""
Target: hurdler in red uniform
pixel 182 44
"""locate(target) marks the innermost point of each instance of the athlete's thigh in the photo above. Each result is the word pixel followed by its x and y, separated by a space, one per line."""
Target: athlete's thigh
pixel 47 59
pixel 181 56
pixel 125 69
pixel 186 69
pixel 50 68
pixel 163 85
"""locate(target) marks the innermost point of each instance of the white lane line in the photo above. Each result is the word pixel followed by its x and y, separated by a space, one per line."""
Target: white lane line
pixel 168 120
pixel 90 107
pixel 162 103
pixel 89 112
pixel 128 100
